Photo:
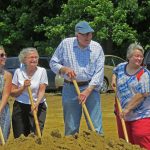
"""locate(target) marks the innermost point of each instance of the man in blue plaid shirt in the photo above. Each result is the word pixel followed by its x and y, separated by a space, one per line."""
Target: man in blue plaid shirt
pixel 82 59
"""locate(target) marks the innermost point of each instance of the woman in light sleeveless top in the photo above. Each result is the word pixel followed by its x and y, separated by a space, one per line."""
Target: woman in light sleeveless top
pixel 5 88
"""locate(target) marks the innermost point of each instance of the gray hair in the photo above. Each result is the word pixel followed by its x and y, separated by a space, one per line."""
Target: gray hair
pixel 24 52
pixel 132 47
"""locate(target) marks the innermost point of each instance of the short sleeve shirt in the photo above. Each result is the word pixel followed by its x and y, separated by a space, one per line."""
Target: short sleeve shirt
pixel 128 86
pixel 39 77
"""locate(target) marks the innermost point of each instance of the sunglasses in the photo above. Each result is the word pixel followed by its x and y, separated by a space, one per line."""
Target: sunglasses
pixel 2 55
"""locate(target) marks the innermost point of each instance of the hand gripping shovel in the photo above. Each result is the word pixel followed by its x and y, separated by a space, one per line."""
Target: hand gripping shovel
pixel 1 136
pixel 122 120
pixel 84 106
pixel 35 115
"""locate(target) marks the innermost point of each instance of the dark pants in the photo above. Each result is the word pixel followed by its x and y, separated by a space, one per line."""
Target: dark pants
pixel 23 120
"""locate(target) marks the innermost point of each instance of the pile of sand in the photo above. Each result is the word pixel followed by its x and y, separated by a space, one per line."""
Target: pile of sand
pixel 86 140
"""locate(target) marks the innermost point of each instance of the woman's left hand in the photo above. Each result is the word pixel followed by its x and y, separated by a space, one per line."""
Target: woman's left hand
pixel 124 113
pixel 35 107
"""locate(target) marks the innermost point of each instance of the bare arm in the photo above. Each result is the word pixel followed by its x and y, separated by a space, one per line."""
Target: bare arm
pixel 137 99
pixel 6 89
pixel 84 95
pixel 113 82
pixel 17 91
pixel 40 95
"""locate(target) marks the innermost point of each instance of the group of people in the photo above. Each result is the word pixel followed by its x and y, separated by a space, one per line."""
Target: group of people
pixel 29 74
pixel 82 59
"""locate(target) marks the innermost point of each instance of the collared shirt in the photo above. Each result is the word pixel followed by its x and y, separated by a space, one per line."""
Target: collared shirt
pixel 88 63
pixel 128 86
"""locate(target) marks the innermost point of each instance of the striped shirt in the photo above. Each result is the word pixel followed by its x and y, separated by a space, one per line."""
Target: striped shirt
pixel 88 63
pixel 128 86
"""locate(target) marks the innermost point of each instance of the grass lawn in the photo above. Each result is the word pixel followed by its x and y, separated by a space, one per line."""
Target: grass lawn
pixel 55 115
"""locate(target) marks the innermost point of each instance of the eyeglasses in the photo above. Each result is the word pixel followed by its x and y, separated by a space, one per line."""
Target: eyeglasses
pixel 2 55
pixel 86 34
pixel 33 57
pixel 138 56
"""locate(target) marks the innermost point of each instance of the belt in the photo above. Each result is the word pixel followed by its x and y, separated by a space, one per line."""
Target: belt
pixel 79 83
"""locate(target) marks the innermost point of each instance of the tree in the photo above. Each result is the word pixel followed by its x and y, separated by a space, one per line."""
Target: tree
pixel 18 19
pixel 138 18
pixel 44 24
pixel 109 22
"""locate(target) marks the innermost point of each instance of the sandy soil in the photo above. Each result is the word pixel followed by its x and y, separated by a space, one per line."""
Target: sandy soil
pixel 53 135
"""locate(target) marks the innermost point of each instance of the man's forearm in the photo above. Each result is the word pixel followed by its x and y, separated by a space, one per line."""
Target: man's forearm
pixel 90 88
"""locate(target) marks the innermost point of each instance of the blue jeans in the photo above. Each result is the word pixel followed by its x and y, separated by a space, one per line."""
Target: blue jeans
pixel 73 110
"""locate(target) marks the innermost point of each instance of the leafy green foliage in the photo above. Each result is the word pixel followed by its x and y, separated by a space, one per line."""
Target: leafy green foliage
pixel 43 24
pixel 108 22
pixel 18 20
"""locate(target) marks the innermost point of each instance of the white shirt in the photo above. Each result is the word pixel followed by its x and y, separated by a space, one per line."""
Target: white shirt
pixel 39 77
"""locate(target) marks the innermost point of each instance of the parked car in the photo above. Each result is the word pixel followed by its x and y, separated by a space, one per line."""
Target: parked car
pixel 110 62
pixel 55 82
pixel 146 61
pixel 59 81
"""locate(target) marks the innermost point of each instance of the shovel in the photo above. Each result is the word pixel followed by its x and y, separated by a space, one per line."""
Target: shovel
pixel 84 106
pixel 122 120
pixel 1 136
pixel 34 115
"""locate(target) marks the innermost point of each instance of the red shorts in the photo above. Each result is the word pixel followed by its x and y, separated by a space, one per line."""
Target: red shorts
pixel 138 131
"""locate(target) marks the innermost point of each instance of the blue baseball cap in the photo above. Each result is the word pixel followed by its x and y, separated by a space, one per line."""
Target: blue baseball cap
pixel 83 27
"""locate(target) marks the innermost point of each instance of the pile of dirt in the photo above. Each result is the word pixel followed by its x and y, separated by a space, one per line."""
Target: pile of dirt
pixel 86 140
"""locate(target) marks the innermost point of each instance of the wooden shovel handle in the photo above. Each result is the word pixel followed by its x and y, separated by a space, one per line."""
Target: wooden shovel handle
pixel 34 113
pixel 84 106
pixel 122 120
pixel 1 136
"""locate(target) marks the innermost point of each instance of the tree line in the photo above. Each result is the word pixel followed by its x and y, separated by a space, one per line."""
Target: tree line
pixel 43 24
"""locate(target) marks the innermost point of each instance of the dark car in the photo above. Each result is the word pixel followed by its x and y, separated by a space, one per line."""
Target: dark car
pixel 12 63
pixel 146 61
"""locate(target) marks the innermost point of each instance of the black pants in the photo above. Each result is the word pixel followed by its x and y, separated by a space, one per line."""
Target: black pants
pixel 23 120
